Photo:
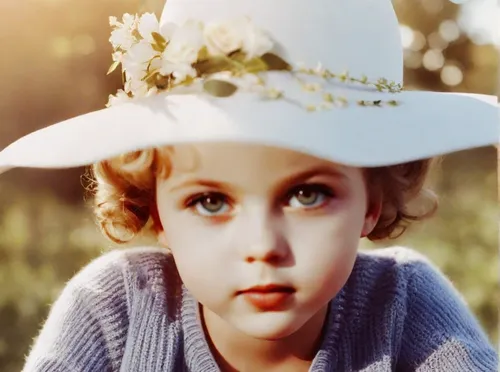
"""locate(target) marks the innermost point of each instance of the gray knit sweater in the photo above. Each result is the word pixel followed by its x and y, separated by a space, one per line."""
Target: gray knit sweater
pixel 128 311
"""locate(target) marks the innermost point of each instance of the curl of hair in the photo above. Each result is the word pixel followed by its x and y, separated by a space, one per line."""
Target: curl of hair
pixel 124 190
pixel 399 185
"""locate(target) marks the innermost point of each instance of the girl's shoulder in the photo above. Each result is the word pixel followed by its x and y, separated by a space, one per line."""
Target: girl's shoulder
pixel 399 274
pixel 398 264
pixel 123 271
pixel 400 295
pixel 119 265
pixel 398 255
pixel 90 318
pixel 396 283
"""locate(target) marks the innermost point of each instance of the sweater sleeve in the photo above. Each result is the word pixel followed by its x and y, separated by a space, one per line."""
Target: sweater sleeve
pixel 440 332
pixel 84 330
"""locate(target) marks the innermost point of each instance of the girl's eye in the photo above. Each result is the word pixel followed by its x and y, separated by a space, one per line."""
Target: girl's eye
pixel 309 196
pixel 210 204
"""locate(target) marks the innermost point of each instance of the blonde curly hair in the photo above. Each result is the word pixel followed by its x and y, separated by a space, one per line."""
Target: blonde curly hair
pixel 124 191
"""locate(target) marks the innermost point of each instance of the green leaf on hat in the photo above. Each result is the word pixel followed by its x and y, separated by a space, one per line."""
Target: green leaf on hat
pixel 157 48
pixel 188 81
pixel 203 54
pixel 275 62
pixel 219 88
pixel 113 67
pixel 160 42
pixel 238 56
pixel 255 65
pixel 213 65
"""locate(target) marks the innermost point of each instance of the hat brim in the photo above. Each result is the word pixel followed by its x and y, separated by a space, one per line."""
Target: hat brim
pixel 424 125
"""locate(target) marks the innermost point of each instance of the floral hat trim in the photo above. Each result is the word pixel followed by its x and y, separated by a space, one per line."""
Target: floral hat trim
pixel 158 58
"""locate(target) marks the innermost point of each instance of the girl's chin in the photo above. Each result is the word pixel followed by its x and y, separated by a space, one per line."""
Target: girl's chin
pixel 268 326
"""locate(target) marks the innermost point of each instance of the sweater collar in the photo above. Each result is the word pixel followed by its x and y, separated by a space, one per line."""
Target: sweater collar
pixel 197 354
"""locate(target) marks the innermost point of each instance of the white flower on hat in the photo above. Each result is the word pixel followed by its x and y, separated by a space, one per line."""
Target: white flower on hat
pixel 223 38
pixel 136 85
pixel 140 60
pixel 140 89
pixel 117 56
pixel 255 41
pixel 236 34
pixel 182 51
pixel 120 97
pixel 148 24
pixel 139 57
pixel 122 36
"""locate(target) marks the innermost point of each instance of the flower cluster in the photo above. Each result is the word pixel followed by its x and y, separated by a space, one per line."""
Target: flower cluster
pixel 155 57
pixel 158 57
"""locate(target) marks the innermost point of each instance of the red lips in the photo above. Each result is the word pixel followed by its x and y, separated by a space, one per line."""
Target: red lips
pixel 268 297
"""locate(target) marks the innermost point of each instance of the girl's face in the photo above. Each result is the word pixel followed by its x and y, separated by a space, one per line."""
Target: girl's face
pixel 236 217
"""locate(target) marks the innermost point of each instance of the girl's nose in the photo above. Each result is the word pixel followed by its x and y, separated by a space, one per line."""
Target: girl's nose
pixel 265 240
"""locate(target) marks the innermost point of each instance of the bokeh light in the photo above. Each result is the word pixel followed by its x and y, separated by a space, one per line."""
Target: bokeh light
pixel 433 59
pixel 452 75
pixel 83 44
pixel 407 36
pixel 419 41
pixel 449 30
pixel 412 60
pixel 61 47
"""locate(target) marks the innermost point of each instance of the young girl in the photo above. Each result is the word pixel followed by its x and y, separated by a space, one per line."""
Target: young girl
pixel 258 178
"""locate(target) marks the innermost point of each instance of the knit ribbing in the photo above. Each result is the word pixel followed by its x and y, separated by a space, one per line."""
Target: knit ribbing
pixel 87 324
pixel 197 353
pixel 452 343
pixel 129 311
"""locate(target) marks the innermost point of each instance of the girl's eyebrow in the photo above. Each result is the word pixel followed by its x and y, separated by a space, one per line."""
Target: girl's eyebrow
pixel 323 170
pixel 200 182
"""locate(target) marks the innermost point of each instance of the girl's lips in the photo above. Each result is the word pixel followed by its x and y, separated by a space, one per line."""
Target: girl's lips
pixel 269 297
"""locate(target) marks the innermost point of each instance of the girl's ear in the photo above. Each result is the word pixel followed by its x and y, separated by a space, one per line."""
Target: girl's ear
pixel 372 214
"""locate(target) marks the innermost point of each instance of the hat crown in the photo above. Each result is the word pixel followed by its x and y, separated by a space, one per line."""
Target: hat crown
pixel 357 36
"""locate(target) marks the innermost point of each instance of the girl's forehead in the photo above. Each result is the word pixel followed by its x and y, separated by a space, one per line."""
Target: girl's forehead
pixel 245 162
pixel 207 156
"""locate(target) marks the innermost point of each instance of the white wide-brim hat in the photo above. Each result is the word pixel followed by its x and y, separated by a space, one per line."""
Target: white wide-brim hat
pixel 322 77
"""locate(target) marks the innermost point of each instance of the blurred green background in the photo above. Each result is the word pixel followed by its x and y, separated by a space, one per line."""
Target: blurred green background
pixel 55 54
